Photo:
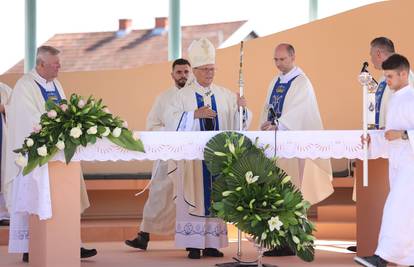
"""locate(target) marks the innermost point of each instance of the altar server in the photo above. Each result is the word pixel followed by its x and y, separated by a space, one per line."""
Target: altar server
pixel 159 210
pixel 395 243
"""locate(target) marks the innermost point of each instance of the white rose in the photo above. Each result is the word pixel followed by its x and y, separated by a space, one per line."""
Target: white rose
pixel 116 132
pixel 21 160
pixel 81 103
pixel 125 124
pixel 29 142
pixel 135 135
pixel 92 130
pixel 75 132
pixel 60 145
pixel 42 151
pixel 107 132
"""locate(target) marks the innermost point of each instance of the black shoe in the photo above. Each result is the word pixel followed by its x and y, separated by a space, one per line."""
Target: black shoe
pixel 194 253
pixel 212 252
pixel 4 222
pixel 352 248
pixel 141 241
pixel 279 252
pixel 25 257
pixel 87 253
pixel 371 261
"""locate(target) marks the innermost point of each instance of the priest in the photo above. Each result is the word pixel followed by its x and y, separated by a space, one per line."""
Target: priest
pixel 395 242
pixel 27 104
pixel 5 92
pixel 201 106
pixel 291 105
pixel 381 49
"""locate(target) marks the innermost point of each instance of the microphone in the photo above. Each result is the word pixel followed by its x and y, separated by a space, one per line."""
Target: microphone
pixel 272 117
pixel 364 67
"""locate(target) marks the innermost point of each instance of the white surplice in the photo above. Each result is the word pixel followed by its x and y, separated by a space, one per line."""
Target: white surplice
pixel 194 226
pixel 385 98
pixel 29 194
pixel 159 209
pixel 396 239
pixel 300 112
pixel 5 92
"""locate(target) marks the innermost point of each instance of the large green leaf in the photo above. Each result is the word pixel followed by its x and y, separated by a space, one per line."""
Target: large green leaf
pixel 70 149
pixel 31 165
pixel 126 140
pixel 52 153
pixel 217 145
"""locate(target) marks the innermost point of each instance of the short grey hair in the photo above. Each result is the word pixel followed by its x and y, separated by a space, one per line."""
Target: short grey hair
pixel 383 43
pixel 44 50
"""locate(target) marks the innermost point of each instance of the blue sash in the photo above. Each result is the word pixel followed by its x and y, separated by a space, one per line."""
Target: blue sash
pixel 277 98
pixel 54 95
pixel 378 99
pixel 207 177
pixel 200 103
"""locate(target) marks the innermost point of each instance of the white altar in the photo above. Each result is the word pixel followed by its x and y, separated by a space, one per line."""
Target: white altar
pixel 36 187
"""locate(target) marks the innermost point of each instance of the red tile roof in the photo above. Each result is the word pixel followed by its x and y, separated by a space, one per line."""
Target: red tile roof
pixel 104 50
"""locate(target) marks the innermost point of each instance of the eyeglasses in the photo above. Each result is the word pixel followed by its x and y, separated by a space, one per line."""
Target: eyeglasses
pixel 206 69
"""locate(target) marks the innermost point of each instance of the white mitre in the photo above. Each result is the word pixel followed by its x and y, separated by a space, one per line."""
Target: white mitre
pixel 201 52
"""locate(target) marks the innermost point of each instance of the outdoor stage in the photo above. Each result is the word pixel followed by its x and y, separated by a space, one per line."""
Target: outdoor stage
pixel 164 254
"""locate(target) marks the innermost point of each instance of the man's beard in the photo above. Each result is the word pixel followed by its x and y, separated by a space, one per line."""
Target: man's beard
pixel 181 82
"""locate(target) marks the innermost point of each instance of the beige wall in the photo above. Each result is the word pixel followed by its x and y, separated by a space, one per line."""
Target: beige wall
pixel 330 51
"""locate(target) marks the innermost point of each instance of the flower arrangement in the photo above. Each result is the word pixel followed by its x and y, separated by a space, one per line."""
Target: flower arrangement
pixel 257 196
pixel 69 124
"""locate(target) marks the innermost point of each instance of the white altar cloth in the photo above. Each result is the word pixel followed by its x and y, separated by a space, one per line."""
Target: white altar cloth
pixel 34 193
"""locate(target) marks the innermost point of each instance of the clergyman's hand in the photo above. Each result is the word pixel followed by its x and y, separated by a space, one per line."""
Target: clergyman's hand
pixel 365 140
pixel 392 135
pixel 268 126
pixel 204 113
pixel 241 101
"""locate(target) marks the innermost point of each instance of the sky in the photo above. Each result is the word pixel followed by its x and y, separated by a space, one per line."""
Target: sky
pixel 69 16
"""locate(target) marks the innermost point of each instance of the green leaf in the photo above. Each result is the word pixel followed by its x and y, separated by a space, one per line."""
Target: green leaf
pixel 126 140
pixel 70 149
pixel 31 165
pixel 52 153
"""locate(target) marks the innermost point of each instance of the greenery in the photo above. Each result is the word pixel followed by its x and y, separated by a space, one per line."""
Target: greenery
pixel 257 196
pixel 69 124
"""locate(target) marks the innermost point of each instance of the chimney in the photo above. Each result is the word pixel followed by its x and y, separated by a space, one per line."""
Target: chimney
pixel 161 23
pixel 124 27
pixel 125 24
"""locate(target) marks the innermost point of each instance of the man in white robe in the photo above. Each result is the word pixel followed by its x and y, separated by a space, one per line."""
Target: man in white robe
pixel 291 105
pixel 201 106
pixel 159 210
pixel 381 48
pixel 26 105
pixel 5 92
pixel 395 243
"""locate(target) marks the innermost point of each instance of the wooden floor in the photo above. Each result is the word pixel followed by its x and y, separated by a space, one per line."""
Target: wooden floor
pixel 163 253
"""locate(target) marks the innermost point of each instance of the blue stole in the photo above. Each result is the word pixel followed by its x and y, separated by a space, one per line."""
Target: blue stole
pixel 378 99
pixel 54 95
pixel 208 179
pixel 277 98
